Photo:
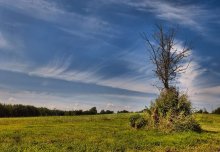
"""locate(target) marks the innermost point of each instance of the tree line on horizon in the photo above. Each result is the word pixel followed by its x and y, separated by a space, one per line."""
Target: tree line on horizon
pixel 19 110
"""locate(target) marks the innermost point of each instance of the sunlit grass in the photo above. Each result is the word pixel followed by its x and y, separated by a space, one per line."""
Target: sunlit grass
pixel 102 133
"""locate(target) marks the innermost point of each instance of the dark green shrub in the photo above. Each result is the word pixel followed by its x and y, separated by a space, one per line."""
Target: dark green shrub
pixel 184 105
pixel 172 100
pixel 186 123
pixel 140 123
pixel 137 121
pixel 171 112
pixel 167 100
pixel 133 119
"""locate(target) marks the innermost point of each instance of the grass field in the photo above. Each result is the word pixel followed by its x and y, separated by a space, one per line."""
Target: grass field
pixel 102 133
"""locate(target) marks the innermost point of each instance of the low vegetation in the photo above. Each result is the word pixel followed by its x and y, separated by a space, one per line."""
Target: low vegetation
pixel 123 111
pixel 102 133
pixel 202 111
pixel 170 112
pixel 19 110
pixel 216 111
pixel 106 112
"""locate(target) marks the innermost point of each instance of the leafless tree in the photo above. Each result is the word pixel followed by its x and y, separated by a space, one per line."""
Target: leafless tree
pixel 169 60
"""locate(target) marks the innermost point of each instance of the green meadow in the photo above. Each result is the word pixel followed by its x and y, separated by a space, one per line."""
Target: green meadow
pixel 102 133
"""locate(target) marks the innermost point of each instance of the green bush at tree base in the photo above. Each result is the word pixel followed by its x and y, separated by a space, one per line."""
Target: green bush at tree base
pixel 171 111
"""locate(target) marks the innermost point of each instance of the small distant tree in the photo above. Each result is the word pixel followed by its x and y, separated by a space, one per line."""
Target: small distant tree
pixel 93 111
pixel 106 112
pixel 167 58
pixel 102 112
pixel 123 111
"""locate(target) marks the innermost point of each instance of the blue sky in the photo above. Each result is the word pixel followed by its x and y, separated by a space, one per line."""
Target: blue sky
pixel 78 54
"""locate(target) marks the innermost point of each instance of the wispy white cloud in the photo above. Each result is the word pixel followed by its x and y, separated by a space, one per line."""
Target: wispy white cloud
pixel 190 15
pixel 76 102
pixel 184 15
pixel 10 45
pixel 93 26
pixel 12 99
pixel 212 91
pixel 207 98
pixel 59 68
pixel 54 69
pixel 189 79
pixel 59 71
pixel 3 42
pixel 51 12
pixel 14 65
pixel 201 96
pixel 43 9
pixel 42 100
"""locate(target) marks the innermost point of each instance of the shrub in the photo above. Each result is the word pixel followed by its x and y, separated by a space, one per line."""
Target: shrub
pixel 137 121
pixel 140 123
pixel 186 123
pixel 184 105
pixel 167 100
pixel 133 119
pixel 174 101
pixel 170 112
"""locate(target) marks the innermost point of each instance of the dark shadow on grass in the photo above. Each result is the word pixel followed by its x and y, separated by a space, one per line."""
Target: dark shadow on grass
pixel 209 131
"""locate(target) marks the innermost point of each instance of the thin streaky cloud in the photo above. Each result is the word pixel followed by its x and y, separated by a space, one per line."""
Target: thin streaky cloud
pixel 89 53
pixel 51 12
pixel 3 42
pixel 193 16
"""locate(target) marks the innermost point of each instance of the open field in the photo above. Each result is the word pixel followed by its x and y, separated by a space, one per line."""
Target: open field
pixel 102 133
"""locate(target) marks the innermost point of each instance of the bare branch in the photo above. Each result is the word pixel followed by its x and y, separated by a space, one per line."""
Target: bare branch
pixel 168 60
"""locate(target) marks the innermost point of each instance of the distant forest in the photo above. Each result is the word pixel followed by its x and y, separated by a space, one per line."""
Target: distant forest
pixel 19 110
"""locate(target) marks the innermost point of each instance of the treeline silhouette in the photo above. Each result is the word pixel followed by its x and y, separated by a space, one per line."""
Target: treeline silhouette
pixel 123 111
pixel 106 112
pixel 216 111
pixel 19 110
pixel 204 111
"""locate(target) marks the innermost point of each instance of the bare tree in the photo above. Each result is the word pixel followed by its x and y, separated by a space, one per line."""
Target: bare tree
pixel 168 59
